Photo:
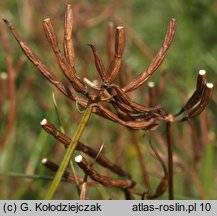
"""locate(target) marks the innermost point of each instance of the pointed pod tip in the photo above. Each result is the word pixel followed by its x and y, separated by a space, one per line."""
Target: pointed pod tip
pixel 5 20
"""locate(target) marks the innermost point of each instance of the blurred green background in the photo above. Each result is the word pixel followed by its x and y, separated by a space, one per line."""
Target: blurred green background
pixel 194 48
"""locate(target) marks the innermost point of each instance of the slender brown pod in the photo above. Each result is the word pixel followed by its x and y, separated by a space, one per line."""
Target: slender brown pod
pixel 156 61
pixel 68 41
pixel 163 185
pixel 67 175
pixel 205 98
pixel 99 63
pixel 151 94
pixel 195 98
pixel 104 180
pixel 137 125
pixel 38 63
pixel 115 65
pixel 65 66
pixel 51 129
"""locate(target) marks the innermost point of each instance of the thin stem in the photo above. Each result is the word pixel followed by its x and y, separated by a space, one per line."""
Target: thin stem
pixel 58 114
pixel 75 177
pixel 63 131
pixel 84 185
pixel 23 175
pixel 141 159
pixel 68 154
pixel 170 160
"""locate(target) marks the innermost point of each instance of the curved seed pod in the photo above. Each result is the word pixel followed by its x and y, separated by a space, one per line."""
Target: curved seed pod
pixel 201 85
pixel 115 65
pixel 195 98
pixel 143 125
pixel 205 98
pixel 122 100
pixel 99 63
pixel 156 62
pixel 121 112
pixel 204 101
pixel 163 185
pixel 67 69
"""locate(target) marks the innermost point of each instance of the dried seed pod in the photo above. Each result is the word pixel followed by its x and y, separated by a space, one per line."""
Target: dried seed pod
pixel 103 161
pixel 124 98
pixel 142 124
pixel 205 98
pixel 104 180
pixel 115 65
pixel 38 63
pixel 156 61
pixel 99 63
pixel 67 175
pixel 152 94
pixel 113 70
pixel 124 101
pixel 196 96
pixel 68 41
pixel 201 80
pixel 119 41
pixel 68 70
pixel 163 185
pixel 54 167
pixel 207 94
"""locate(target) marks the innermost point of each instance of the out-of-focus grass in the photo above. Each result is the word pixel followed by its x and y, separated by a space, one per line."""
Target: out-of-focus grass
pixel 194 48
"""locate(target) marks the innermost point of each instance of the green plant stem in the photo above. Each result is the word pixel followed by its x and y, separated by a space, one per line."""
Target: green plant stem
pixel 170 160
pixel 68 154
pixel 58 115
pixel 75 177
pixel 63 131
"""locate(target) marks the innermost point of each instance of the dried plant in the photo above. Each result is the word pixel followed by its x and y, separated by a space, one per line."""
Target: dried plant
pixel 9 78
pixel 112 101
